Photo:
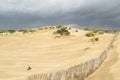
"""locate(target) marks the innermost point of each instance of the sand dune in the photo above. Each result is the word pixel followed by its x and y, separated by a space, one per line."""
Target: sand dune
pixel 110 69
pixel 44 53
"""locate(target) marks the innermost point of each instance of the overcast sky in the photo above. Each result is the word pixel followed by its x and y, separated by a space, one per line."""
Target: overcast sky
pixel 16 14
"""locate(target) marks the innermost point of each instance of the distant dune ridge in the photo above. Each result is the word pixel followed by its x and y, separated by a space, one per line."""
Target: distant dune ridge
pixel 49 49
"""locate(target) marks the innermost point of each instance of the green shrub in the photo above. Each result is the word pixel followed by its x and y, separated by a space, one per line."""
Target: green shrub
pixel 59 26
pixel 50 27
pixel 23 31
pixel 46 28
pixel 62 31
pixel 32 31
pixel 11 31
pixel 7 31
pixel 3 31
pixel 95 31
pixel 101 32
pixel 90 34
pixel 76 30
pixel 69 28
pixel 96 39
pixel 86 29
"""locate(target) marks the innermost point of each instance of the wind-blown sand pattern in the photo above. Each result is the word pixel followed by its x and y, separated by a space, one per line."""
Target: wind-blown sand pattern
pixel 45 53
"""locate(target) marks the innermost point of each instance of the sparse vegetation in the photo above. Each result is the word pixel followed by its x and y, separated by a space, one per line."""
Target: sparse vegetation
pixel 7 31
pixel 11 31
pixel 23 31
pixel 46 28
pixel 50 27
pixel 3 31
pixel 90 34
pixel 69 28
pixel 94 39
pixel 62 31
pixel 32 31
pixel 76 30
pixel 101 31
pixel 86 29
pixel 59 26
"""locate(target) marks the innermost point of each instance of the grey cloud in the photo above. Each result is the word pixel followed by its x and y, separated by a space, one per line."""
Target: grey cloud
pixel 39 6
pixel 35 13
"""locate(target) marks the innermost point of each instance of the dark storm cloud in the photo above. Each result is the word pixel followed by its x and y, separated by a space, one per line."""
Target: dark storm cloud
pixel 34 13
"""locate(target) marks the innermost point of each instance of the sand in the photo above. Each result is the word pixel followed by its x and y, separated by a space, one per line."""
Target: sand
pixel 110 69
pixel 45 53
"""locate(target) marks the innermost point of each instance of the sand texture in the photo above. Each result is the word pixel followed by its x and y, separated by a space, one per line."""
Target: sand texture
pixel 110 69
pixel 45 53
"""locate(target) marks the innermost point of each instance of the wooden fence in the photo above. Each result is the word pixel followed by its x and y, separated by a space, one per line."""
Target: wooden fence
pixel 77 72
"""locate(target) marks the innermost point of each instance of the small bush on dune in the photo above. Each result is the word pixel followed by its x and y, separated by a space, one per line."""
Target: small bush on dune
pixel 11 31
pixel 62 31
pixel 95 31
pixel 32 31
pixel 46 28
pixel 76 30
pixel 59 26
pixel 90 34
pixel 50 27
pixel 23 31
pixel 101 32
pixel 7 31
pixel 69 28
pixel 86 29
pixel 3 31
pixel 53 27
pixel 96 39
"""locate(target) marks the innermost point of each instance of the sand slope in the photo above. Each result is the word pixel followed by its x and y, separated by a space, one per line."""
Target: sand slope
pixel 110 69
pixel 44 53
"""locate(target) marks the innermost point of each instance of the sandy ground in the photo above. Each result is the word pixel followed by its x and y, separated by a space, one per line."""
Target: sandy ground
pixel 110 69
pixel 46 54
